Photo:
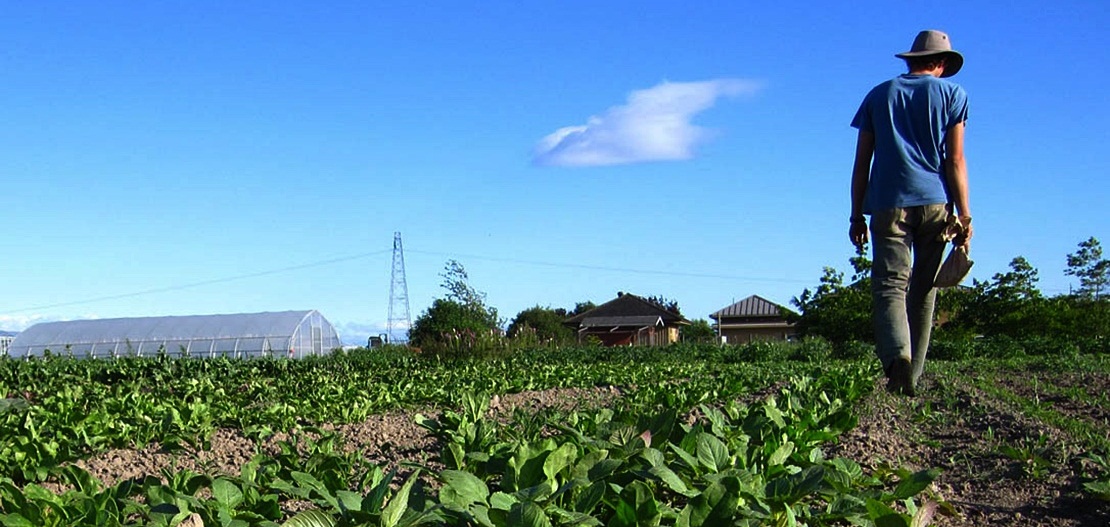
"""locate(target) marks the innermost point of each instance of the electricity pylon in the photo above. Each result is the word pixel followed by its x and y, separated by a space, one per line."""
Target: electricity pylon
pixel 398 325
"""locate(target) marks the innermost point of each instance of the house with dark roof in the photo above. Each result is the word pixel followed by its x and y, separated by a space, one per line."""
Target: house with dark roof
pixel 751 319
pixel 628 320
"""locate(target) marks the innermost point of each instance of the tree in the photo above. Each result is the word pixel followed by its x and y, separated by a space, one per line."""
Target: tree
pixel 547 324
pixel 840 313
pixel 698 331
pixel 457 283
pixel 1008 304
pixel 446 319
pixel 1092 307
pixel 581 307
pixel 464 310
pixel 665 303
pixel 1090 267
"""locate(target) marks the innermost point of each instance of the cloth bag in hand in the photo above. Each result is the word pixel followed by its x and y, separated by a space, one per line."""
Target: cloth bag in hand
pixel 958 263
pixel 955 268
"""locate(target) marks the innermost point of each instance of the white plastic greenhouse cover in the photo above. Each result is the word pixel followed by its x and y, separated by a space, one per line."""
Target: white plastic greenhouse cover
pixel 291 334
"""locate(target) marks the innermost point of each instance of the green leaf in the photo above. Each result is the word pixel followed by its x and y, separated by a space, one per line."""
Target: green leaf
pixel 624 515
pixel 558 460
pixel 884 516
pixel 398 503
pixel 591 497
pixel 349 501
pixel 603 469
pixel 375 499
pixel 527 467
pixel 917 482
pixel 684 457
pixel 712 453
pixel 791 488
pixel 781 454
pixel 462 489
pixel 645 506
pixel 654 457
pixel 307 481
pixel 774 414
pixel 13 406
pixel 312 518
pixel 16 520
pixel 528 514
pixel 1101 489
pixel 502 501
pixel 671 480
pixel 226 493
pixel 716 506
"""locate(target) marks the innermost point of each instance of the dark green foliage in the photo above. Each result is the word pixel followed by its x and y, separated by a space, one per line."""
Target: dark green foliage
pixel 458 323
pixel 581 307
pixel 545 324
pixel 1008 310
pixel 665 303
pixel 1091 268
pixel 698 331
pixel 951 350
pixel 446 320
pixel 837 312
pixel 1010 305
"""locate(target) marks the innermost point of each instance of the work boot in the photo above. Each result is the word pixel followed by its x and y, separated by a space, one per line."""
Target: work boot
pixel 900 377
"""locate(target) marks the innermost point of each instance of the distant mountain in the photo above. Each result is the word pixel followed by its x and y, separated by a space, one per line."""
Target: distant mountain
pixel 7 333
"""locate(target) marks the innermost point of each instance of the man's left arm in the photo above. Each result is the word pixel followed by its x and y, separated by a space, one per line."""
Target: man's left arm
pixel 956 173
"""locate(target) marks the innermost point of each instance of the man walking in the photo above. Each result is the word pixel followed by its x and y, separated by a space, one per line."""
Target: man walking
pixel 909 173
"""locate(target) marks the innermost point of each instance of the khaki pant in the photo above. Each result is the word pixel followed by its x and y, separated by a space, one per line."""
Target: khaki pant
pixel 907 254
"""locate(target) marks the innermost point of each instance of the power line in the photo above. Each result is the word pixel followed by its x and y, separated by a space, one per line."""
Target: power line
pixel 615 269
pixel 179 287
pixel 330 261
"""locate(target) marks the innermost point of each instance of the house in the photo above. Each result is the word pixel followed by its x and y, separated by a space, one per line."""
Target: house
pixel 628 320
pixel 751 319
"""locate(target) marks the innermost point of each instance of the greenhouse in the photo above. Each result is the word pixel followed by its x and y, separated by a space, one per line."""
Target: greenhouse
pixel 292 334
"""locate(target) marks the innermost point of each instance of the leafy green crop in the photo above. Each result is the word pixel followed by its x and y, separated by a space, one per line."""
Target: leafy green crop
pixel 689 444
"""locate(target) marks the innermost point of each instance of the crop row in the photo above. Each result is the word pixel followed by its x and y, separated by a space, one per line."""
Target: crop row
pixel 644 464
pixel 60 409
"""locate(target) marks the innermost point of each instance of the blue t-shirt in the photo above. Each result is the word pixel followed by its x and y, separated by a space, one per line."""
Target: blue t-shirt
pixel 909 116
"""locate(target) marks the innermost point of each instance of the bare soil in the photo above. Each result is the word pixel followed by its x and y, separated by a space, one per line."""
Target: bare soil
pixel 958 428
pixel 950 425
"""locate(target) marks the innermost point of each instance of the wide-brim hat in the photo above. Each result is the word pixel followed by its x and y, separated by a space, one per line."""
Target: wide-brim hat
pixel 933 42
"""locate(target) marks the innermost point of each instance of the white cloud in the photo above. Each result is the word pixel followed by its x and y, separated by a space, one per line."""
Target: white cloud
pixel 22 322
pixel 653 125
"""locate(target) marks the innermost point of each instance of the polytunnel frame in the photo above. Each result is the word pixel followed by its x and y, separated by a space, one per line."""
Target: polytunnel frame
pixel 292 345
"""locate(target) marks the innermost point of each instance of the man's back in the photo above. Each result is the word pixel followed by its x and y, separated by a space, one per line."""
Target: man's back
pixel 909 117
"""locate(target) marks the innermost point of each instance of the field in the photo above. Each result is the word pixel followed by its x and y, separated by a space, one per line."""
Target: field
pixel 764 434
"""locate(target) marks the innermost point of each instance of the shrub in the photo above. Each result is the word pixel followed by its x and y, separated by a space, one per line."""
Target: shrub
pixel 812 349
pixel 853 350
pixel 952 349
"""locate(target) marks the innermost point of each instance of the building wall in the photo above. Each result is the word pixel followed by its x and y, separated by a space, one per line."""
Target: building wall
pixel 4 343
pixel 648 337
pixel 746 335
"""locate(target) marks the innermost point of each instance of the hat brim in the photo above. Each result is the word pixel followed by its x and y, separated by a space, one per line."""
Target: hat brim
pixel 952 65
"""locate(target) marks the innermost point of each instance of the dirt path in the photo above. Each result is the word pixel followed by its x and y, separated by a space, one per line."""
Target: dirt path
pixel 956 427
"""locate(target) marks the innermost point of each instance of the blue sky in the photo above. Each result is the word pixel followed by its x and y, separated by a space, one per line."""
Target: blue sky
pixel 171 158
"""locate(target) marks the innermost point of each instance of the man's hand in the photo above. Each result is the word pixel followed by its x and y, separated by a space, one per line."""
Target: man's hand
pixel 858 233
pixel 963 238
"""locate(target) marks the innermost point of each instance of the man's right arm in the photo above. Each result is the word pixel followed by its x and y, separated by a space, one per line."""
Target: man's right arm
pixel 956 172
pixel 861 173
